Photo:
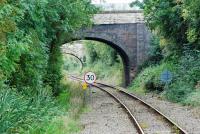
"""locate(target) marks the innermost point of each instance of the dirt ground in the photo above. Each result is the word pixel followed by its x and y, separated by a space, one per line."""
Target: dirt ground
pixel 105 116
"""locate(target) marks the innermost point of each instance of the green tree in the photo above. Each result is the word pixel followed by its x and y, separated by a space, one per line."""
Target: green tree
pixel 191 15
pixel 175 22
pixel 100 52
pixel 13 41
pixel 67 17
pixel 32 32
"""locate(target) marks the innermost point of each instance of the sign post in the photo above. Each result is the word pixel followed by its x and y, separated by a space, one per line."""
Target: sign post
pixel 84 87
pixel 89 79
pixel 166 77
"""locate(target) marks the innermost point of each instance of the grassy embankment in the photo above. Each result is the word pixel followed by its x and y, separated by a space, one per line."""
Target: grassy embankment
pixel 185 85
pixel 41 113
pixel 175 24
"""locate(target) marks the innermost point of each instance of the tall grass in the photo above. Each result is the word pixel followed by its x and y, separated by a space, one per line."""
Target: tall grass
pixel 19 112
pixel 71 104
pixel 40 113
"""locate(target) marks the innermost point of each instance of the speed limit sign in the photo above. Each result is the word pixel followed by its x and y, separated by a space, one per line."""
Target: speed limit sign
pixel 90 77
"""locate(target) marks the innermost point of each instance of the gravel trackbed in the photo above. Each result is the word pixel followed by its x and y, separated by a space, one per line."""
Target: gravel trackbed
pixel 105 116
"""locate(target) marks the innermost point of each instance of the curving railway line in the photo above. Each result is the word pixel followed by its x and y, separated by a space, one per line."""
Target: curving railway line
pixel 146 118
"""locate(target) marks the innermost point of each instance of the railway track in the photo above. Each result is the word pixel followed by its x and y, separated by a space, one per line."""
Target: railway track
pixel 146 118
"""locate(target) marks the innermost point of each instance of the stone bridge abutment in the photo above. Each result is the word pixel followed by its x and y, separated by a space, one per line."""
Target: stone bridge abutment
pixel 126 33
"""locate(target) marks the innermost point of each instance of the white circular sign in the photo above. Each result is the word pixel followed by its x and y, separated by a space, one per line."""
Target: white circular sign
pixel 90 77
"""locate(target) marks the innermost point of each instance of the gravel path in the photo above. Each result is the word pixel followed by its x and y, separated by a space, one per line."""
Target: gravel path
pixel 150 122
pixel 106 116
pixel 186 117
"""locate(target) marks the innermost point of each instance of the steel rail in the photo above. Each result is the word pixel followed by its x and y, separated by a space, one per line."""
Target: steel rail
pixel 131 116
pixel 76 58
pixel 135 122
pixel 170 121
pixel 181 130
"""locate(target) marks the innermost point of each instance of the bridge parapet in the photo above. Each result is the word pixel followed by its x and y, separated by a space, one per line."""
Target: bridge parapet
pixel 119 17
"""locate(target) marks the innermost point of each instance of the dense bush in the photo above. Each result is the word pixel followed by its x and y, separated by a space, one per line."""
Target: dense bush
pixel 149 78
pixel 176 24
pixel 186 74
pixel 186 77
pixel 31 32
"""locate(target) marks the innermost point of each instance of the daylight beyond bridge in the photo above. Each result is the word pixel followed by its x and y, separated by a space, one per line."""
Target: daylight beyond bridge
pixel 126 32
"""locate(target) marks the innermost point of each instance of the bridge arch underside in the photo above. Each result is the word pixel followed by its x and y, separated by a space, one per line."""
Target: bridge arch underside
pixel 121 52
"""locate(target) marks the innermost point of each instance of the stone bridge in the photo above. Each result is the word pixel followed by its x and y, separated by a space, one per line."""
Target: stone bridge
pixel 126 32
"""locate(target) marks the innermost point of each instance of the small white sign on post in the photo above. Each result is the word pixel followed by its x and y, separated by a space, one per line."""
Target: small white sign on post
pixel 90 77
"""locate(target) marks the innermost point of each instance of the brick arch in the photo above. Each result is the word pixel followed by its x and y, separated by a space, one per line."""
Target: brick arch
pixel 126 32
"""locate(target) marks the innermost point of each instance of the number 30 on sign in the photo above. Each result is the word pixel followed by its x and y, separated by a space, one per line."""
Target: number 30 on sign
pixel 90 77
